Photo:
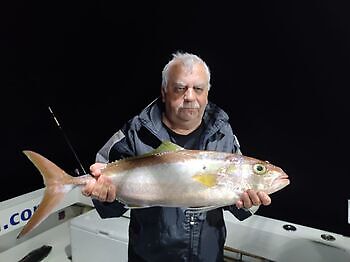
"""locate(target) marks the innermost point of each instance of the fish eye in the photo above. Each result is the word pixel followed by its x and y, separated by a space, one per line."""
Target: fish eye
pixel 259 169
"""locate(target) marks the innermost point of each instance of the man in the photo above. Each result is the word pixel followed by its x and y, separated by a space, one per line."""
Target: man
pixel 184 116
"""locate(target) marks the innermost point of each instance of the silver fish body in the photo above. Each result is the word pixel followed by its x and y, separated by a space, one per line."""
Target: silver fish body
pixel 190 178
pixel 168 176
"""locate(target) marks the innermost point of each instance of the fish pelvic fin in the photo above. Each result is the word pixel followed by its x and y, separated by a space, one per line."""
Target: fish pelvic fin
pixel 58 183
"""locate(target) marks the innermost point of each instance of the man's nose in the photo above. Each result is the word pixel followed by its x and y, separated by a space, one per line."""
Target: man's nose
pixel 189 94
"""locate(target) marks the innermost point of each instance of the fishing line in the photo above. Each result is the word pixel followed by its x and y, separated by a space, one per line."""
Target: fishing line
pixel 67 140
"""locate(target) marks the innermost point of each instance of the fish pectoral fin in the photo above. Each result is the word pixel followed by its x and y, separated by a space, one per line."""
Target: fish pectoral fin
pixel 207 179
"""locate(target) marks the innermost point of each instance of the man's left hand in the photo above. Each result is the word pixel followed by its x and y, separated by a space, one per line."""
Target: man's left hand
pixel 251 198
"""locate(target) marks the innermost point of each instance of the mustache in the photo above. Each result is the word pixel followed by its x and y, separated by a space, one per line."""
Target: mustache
pixel 191 105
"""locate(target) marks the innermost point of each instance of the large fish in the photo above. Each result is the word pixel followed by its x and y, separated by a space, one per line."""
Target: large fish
pixel 168 176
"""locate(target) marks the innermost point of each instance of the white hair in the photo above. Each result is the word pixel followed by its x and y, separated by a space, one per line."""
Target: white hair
pixel 187 60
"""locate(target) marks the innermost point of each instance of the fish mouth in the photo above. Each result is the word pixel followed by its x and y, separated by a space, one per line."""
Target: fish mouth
pixel 285 181
pixel 284 178
pixel 279 183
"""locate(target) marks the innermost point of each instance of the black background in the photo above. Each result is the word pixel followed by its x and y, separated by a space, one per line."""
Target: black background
pixel 280 70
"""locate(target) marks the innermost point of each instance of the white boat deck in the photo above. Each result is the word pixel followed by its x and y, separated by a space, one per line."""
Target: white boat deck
pixel 76 233
pixel 58 237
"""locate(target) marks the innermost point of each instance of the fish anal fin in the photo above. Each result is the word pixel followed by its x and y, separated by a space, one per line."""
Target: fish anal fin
pixel 201 209
pixel 134 206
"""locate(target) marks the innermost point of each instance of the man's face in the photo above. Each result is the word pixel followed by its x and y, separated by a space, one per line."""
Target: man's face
pixel 186 95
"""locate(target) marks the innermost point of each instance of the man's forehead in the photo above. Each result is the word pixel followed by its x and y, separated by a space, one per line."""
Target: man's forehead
pixel 179 70
pixel 184 84
pixel 186 65
pixel 179 83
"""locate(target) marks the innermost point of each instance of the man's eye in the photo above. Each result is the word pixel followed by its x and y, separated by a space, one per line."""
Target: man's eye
pixel 198 90
pixel 179 89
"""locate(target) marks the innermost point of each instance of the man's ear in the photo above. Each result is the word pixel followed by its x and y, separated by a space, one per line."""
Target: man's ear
pixel 163 93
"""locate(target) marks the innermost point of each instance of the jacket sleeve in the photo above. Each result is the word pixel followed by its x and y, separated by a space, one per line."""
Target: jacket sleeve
pixel 115 148
pixel 241 214
pixel 102 155
pixel 107 210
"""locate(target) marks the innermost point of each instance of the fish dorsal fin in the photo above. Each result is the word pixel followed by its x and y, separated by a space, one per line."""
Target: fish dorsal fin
pixel 207 179
pixel 165 146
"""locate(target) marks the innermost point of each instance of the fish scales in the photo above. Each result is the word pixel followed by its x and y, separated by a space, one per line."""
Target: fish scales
pixel 171 184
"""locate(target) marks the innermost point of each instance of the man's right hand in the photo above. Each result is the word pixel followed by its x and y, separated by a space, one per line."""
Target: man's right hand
pixel 102 188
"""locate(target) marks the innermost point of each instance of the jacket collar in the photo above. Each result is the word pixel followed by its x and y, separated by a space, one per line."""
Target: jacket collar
pixel 214 117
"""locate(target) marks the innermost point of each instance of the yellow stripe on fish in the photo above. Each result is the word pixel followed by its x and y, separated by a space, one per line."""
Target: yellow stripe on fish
pixel 206 179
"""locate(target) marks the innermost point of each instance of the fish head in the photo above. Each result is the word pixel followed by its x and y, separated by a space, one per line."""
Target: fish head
pixel 262 176
pixel 267 177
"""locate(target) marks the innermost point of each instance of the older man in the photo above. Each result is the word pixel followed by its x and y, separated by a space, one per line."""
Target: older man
pixel 184 116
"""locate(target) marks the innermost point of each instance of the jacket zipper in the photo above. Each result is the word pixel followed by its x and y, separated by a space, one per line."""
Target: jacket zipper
pixel 191 235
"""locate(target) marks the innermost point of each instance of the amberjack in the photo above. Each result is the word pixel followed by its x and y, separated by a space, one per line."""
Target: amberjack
pixel 169 176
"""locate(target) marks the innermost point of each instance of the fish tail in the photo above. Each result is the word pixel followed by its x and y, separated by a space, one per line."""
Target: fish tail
pixel 58 183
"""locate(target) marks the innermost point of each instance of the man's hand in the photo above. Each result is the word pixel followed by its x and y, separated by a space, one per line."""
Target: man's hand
pixel 251 198
pixel 102 188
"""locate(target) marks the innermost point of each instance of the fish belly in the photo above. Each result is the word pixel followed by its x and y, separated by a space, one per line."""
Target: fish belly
pixel 171 185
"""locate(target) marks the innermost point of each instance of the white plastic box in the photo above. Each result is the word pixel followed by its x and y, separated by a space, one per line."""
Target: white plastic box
pixel 256 239
pixel 96 239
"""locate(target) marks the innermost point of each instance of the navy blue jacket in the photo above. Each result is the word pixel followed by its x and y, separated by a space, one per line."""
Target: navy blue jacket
pixel 162 233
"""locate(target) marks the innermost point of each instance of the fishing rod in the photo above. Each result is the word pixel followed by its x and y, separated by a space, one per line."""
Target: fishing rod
pixel 67 140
